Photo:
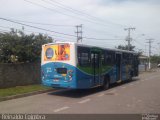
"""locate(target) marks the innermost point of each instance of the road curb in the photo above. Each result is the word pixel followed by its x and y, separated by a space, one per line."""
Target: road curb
pixel 25 94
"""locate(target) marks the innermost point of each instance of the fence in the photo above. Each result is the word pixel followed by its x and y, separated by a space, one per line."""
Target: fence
pixel 12 75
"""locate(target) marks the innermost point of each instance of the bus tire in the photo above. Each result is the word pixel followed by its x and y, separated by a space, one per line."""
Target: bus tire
pixel 106 83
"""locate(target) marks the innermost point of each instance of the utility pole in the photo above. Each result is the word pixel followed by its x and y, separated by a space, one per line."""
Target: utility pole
pixel 150 52
pixel 79 33
pixel 129 37
pixel 146 50
pixel 159 48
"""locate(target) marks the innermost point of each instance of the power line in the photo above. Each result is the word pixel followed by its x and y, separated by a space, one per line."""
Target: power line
pixel 36 27
pixel 83 13
pixel 79 18
pixel 47 24
pixel 101 32
pixel 59 12
pixel 51 30
pixel 55 37
pixel 39 23
pixel 67 37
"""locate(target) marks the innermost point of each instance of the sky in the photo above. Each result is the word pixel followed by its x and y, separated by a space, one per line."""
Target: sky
pixel 103 20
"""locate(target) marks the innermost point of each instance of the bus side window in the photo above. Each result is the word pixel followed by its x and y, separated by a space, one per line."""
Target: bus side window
pixel 83 56
pixel 126 58
pixel 113 58
pixel 130 59
pixel 109 58
pixel 103 59
pixel 84 59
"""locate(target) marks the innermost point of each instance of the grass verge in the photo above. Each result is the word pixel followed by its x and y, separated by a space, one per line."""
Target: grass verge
pixel 21 90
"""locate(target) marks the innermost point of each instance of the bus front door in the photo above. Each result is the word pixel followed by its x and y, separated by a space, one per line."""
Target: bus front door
pixel 96 64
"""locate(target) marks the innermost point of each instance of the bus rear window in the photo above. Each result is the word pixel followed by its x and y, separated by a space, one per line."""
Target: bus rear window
pixel 62 70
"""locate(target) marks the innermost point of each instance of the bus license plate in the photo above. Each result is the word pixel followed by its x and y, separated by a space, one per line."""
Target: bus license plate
pixel 55 80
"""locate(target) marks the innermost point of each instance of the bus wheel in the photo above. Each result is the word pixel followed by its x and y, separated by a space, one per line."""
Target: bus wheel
pixel 106 83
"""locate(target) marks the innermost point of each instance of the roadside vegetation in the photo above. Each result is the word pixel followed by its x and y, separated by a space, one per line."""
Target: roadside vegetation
pixel 21 90
pixel 18 47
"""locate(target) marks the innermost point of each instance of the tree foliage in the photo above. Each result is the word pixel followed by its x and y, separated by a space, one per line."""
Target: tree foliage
pixel 16 46
pixel 155 59
pixel 122 47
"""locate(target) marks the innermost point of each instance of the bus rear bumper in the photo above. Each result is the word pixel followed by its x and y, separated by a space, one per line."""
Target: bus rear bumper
pixel 58 85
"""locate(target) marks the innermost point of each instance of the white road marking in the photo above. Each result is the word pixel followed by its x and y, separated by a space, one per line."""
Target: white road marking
pixel 112 91
pixel 84 101
pixel 131 84
pixel 123 87
pixel 60 109
pixel 100 95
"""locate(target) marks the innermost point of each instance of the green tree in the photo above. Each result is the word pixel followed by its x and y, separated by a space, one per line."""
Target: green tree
pixel 122 47
pixel 16 46
pixel 155 59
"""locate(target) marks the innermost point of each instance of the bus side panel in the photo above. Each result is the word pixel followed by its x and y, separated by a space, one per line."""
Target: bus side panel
pixel 112 73
pixel 83 79
pixel 126 72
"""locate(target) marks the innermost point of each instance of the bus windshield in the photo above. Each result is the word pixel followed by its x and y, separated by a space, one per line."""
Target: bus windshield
pixel 56 52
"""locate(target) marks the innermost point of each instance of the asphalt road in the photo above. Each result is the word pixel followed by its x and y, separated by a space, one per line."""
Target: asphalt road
pixel 142 95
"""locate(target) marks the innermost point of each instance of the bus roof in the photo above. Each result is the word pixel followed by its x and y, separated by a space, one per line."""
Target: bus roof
pixel 81 44
pixel 59 43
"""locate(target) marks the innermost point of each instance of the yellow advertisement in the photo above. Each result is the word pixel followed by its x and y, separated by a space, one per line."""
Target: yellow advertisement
pixel 57 52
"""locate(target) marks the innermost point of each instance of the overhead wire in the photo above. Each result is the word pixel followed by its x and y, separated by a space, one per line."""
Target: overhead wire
pixel 84 13
pixel 30 31
pixel 39 23
pixel 36 27
pixel 37 4
pixel 55 37
pixel 47 24
pixel 77 17
pixel 52 30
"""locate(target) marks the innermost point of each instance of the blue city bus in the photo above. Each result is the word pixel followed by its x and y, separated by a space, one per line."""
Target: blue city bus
pixel 78 66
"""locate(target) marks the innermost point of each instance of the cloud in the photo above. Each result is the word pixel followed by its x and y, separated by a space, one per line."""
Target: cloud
pixel 113 2
pixel 115 14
